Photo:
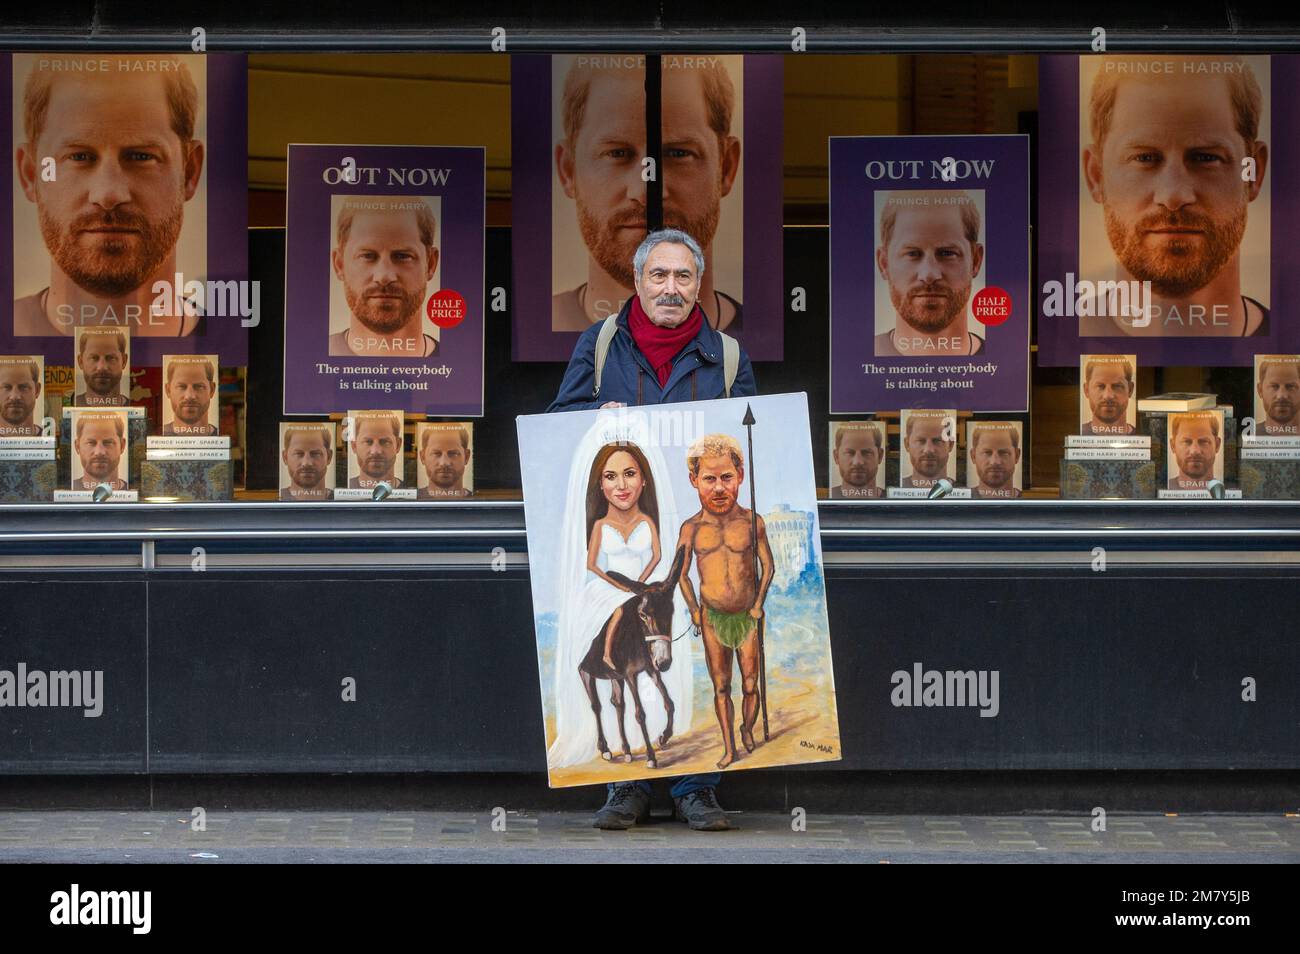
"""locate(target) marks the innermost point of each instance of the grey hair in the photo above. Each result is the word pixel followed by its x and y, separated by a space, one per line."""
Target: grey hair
pixel 676 236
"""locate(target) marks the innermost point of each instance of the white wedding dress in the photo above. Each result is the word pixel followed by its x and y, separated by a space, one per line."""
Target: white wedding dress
pixel 586 602
pixel 628 557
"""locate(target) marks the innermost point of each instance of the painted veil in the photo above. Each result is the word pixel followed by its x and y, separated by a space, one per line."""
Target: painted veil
pixel 587 601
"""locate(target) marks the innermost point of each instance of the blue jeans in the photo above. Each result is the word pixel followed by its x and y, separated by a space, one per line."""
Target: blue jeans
pixel 683 785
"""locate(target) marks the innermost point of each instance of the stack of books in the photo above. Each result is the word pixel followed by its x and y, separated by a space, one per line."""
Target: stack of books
pixel 1108 447
pixel 1266 447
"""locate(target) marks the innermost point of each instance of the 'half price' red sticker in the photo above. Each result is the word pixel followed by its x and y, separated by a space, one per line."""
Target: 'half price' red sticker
pixel 446 308
pixel 991 306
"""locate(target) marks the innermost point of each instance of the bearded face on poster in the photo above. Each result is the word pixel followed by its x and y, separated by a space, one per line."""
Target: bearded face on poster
pixel 109 156
pixel 600 164
pixel 1174 156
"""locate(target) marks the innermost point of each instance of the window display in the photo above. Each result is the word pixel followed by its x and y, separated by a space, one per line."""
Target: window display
pixel 394 261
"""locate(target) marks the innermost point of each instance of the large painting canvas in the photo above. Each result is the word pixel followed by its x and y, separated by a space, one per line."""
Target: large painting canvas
pixel 678 592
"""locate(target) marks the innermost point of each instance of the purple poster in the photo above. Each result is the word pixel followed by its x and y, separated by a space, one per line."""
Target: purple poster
pixel 129 203
pixel 582 181
pixel 1168 207
pixel 383 296
pixel 929 273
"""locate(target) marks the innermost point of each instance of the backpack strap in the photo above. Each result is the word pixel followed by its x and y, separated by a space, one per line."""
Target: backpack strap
pixel 608 328
pixel 730 360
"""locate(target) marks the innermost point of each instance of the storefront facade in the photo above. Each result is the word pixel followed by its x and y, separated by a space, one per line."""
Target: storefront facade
pixel 1115 611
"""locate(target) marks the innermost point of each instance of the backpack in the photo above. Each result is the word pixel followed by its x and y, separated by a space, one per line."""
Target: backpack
pixel 609 328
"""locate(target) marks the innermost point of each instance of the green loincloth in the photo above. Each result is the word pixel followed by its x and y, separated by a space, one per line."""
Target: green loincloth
pixel 730 628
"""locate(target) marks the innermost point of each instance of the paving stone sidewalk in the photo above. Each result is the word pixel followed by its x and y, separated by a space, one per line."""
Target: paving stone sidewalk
pixel 267 836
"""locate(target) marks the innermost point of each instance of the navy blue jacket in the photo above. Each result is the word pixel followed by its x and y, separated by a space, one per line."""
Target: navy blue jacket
pixel 626 369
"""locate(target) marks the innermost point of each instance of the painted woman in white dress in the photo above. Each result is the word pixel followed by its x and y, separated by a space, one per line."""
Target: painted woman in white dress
pixel 622 514
pixel 617 503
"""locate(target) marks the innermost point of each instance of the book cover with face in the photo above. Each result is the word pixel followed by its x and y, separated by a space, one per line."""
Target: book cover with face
pixel 22 383
pixel 1107 394
pixel 929 272
pixel 190 405
pixel 444 460
pixel 1195 452
pixel 857 460
pixel 103 367
pixel 927 443
pixel 307 470
pixel 99 448
pixel 1277 395
pixel 384 290
pixel 375 445
pixel 995 469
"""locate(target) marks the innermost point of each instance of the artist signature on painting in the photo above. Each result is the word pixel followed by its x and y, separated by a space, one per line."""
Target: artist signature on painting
pixel 816 746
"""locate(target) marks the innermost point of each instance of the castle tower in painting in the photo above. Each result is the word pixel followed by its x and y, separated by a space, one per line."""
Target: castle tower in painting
pixel 789 533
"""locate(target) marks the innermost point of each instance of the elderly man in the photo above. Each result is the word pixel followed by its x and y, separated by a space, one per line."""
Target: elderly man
pixel 660 350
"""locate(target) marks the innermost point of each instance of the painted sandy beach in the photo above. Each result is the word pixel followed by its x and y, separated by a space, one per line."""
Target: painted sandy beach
pixel 802 728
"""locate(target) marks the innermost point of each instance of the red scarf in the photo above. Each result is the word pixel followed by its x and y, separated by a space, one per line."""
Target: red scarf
pixel 660 345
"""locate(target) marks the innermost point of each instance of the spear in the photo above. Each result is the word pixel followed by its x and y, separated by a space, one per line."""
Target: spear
pixel 758 569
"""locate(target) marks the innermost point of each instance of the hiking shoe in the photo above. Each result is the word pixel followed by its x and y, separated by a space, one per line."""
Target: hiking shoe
pixel 700 810
pixel 627 805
